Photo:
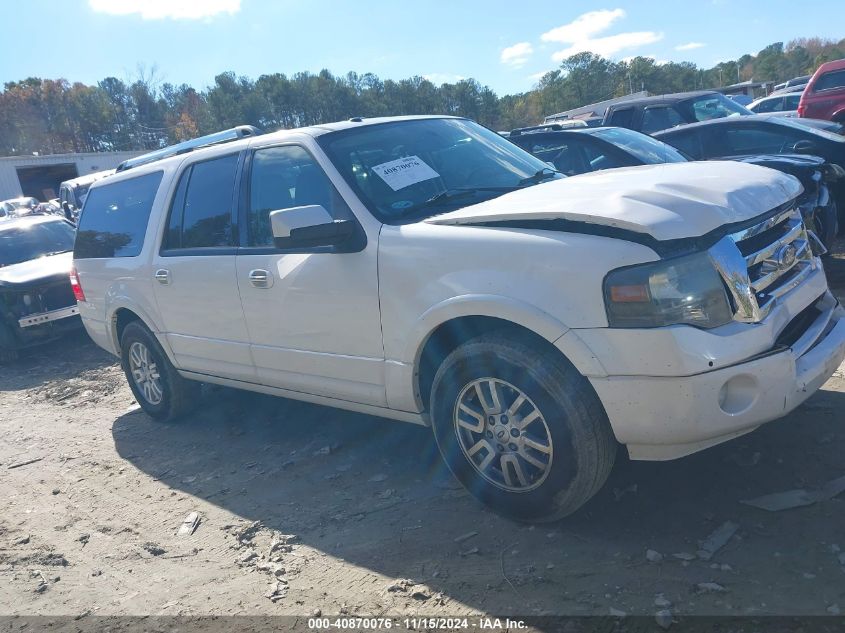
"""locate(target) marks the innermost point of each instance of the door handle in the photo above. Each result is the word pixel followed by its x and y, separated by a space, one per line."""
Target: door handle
pixel 260 278
pixel 162 276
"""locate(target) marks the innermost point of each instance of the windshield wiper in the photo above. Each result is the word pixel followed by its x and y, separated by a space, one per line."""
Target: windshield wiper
pixel 540 176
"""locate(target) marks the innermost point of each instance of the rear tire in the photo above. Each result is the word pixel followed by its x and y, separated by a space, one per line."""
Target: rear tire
pixel 158 388
pixel 538 448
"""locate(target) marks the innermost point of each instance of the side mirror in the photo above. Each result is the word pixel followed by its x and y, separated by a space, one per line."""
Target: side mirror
pixel 310 226
pixel 805 147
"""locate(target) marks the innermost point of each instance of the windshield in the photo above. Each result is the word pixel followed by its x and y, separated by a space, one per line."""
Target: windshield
pixel 712 106
pixel 22 243
pixel 415 169
pixel 649 150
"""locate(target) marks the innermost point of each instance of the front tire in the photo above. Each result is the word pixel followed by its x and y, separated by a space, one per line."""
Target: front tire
pixel 522 430
pixel 158 388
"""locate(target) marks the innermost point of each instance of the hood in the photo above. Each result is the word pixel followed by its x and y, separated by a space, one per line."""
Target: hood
pixel 666 202
pixel 36 271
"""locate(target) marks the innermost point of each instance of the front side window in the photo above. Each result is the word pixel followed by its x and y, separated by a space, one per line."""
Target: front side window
pixel 201 212
pixel 284 177
pixel 790 102
pixel 830 81
pixel 114 218
pixel 769 105
pixel 407 170
pixel 660 118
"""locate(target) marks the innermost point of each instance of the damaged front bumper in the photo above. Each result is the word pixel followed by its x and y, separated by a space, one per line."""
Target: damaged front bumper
pixel 665 417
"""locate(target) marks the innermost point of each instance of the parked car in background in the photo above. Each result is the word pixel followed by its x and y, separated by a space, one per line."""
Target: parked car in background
pixel 36 300
pixel 794 83
pixel 18 207
pixel 427 270
pixel 742 136
pixel 824 96
pixel 72 192
pixel 652 114
pixel 785 104
pixel 584 151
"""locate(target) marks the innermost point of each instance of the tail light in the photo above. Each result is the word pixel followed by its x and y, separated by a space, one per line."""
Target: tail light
pixel 74 284
pixel 802 109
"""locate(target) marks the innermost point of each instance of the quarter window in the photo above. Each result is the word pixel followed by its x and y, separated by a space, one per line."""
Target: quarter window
pixel 114 218
pixel 201 212
pixel 284 177
pixel 830 81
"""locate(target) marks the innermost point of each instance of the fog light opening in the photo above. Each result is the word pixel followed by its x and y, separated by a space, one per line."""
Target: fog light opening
pixel 739 394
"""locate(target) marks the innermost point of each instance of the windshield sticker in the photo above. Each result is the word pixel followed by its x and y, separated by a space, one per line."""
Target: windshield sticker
pixel 401 204
pixel 404 172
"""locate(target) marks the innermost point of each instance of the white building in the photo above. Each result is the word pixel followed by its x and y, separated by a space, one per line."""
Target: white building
pixel 40 176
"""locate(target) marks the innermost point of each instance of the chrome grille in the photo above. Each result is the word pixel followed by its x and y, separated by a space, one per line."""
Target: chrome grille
pixel 762 263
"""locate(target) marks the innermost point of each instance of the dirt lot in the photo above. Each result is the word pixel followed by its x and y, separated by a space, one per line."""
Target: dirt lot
pixel 304 508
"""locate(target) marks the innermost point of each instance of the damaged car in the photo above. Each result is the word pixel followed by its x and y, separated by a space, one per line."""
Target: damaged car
pixel 37 304
pixel 426 269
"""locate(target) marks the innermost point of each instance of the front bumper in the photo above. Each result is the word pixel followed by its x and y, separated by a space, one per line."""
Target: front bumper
pixel 665 417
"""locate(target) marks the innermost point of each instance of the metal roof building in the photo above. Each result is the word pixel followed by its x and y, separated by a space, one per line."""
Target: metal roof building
pixel 40 176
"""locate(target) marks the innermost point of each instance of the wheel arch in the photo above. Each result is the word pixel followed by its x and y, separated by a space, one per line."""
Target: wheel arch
pixel 124 313
pixel 447 325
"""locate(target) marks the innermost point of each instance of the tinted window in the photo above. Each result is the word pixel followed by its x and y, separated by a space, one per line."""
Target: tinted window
pixel 285 177
pixel 23 242
pixel 660 118
pixel 712 106
pixel 201 212
pixel 114 219
pixel 752 140
pixel 830 81
pixel 622 118
pixel 560 151
pixel 790 102
pixel 769 105
pixel 688 143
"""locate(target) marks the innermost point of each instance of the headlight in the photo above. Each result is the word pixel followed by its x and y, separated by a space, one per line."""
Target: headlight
pixel 686 290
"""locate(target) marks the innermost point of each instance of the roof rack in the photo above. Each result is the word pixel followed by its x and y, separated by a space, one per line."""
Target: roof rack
pixel 226 136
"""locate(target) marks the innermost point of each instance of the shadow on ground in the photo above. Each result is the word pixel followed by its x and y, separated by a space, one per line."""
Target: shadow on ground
pixel 373 492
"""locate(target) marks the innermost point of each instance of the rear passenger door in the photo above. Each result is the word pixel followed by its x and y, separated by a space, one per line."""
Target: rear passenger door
pixel 312 313
pixel 194 273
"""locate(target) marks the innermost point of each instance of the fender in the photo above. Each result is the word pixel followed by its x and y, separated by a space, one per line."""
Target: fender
pixel 498 306
pixel 122 302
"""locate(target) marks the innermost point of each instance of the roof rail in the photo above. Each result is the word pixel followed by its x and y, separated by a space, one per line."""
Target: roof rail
pixel 547 126
pixel 217 138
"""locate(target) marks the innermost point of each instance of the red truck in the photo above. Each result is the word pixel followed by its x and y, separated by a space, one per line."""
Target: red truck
pixel 824 96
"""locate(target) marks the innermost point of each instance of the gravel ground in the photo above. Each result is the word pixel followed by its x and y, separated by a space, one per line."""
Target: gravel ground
pixel 303 508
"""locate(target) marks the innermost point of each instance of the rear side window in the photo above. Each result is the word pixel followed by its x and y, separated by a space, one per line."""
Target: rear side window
pixel 688 143
pixel 830 81
pixel 622 118
pixel 114 219
pixel 201 213
pixel 660 118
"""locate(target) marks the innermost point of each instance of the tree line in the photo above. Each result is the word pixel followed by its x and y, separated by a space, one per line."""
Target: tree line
pixel 50 116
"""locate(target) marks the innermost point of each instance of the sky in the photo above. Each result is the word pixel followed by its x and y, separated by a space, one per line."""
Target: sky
pixel 505 44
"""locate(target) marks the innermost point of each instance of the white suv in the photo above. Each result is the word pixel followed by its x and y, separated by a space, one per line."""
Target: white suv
pixel 426 269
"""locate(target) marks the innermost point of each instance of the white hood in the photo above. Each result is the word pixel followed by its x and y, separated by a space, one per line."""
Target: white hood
pixel 665 201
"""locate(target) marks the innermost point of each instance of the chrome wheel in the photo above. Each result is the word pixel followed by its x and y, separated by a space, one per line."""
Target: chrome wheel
pixel 503 434
pixel 145 373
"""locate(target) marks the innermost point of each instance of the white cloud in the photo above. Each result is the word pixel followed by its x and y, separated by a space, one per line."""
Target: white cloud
pixel 161 9
pixel 690 46
pixel 580 35
pixel 610 45
pixel 516 55
pixel 584 26
pixel 443 78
